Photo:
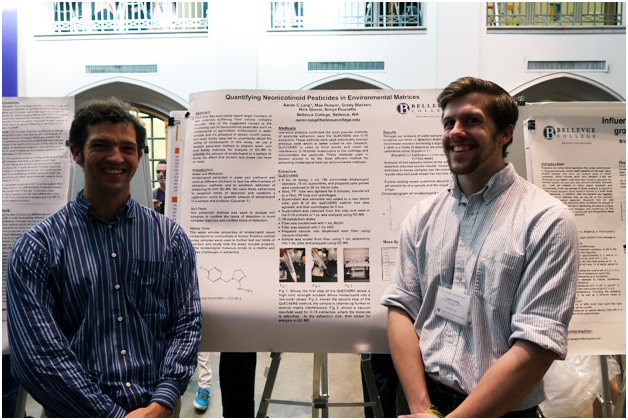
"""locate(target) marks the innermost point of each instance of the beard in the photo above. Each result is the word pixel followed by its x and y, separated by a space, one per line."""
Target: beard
pixel 482 154
pixel 470 167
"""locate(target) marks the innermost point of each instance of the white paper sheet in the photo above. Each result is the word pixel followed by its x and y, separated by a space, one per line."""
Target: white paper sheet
pixel 578 154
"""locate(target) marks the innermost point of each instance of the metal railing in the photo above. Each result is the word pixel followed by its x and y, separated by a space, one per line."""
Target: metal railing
pixel 568 14
pixel 125 16
pixel 288 15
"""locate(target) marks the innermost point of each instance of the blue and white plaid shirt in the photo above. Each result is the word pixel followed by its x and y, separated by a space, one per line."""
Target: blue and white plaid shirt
pixel 514 249
pixel 103 317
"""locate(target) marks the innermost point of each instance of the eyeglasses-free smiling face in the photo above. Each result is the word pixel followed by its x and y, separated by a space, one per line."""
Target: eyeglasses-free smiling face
pixel 471 141
pixel 109 159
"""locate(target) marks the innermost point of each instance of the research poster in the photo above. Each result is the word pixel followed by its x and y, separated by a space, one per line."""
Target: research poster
pixel 578 154
pixel 293 201
pixel 35 165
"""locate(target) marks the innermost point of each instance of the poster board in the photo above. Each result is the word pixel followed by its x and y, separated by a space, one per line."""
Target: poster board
pixel 36 169
pixel 35 164
pixel 276 182
pixel 577 153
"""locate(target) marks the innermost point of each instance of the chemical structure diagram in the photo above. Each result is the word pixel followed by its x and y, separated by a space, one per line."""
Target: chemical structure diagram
pixel 214 275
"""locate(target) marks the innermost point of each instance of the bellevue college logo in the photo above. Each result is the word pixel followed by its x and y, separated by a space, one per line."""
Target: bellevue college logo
pixel 403 108
pixel 549 132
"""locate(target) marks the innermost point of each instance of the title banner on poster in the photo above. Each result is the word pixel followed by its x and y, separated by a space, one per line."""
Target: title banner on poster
pixel 578 154
pixel 293 201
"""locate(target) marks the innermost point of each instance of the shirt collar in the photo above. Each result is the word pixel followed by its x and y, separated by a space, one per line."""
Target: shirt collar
pixel 129 210
pixel 493 188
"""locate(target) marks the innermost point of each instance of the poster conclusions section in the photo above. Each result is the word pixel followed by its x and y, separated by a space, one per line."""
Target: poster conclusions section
pixel 578 154
pixel 293 201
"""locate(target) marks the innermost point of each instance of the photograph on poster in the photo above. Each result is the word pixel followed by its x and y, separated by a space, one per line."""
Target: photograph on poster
pixel 292 265
pixel 324 265
pixel 356 265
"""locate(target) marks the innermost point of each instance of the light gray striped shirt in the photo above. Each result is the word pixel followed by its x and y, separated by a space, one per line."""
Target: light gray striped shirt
pixel 514 249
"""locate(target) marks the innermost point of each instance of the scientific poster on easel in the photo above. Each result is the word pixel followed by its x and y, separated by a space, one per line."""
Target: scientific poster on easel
pixel 293 202
pixel 578 154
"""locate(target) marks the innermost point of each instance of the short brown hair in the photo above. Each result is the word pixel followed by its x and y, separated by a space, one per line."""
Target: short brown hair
pixel 502 108
pixel 111 110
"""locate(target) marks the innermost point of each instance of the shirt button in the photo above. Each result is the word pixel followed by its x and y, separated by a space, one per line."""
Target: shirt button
pixel 470 213
pixel 109 227
pixel 120 318
pixel 128 384
pixel 117 286
pixel 451 341
pixel 462 243
pixel 445 372
pixel 113 255
pixel 123 352
pixel 459 276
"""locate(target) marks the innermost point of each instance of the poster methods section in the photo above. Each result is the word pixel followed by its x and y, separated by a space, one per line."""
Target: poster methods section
pixel 293 201
pixel 578 154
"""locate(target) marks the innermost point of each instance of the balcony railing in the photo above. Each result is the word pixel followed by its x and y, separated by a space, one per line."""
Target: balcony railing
pixel 125 16
pixel 567 14
pixel 288 15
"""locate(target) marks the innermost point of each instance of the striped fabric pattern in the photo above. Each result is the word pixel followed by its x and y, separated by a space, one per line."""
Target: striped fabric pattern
pixel 103 317
pixel 514 249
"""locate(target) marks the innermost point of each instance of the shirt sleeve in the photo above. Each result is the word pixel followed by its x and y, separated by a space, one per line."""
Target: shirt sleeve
pixel 404 291
pixel 545 297
pixel 41 357
pixel 184 335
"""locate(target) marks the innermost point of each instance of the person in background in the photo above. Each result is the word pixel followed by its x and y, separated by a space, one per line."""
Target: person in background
pixel 237 384
pixel 159 194
pixel 485 280
pixel 204 371
pixel 104 314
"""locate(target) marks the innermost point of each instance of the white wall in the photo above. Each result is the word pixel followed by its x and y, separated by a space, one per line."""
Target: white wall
pixel 239 53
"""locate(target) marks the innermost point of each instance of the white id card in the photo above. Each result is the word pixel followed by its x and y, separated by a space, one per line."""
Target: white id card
pixel 453 306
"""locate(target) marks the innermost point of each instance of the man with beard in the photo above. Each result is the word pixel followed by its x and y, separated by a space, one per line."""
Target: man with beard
pixel 104 313
pixel 486 273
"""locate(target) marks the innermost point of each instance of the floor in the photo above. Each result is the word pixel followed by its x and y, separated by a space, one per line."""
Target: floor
pixel 294 383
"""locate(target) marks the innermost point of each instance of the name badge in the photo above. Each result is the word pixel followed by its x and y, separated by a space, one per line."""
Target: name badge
pixel 453 306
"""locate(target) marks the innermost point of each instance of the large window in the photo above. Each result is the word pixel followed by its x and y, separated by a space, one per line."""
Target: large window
pixel 125 16
pixel 554 14
pixel 298 15
pixel 155 125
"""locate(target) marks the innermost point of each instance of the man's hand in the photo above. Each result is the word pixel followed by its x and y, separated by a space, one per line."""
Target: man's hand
pixel 420 415
pixel 153 410
pixel 507 382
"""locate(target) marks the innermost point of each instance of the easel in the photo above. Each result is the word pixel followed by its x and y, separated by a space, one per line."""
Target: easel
pixel 605 400
pixel 320 396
